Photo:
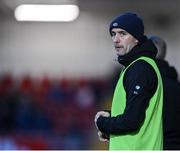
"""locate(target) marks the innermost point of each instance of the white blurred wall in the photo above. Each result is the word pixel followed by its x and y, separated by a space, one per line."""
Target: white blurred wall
pixel 83 47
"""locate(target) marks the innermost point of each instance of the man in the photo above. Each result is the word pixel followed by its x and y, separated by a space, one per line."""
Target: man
pixel 171 104
pixel 136 112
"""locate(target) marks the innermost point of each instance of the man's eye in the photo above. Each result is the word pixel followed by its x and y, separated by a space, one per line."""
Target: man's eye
pixel 122 33
pixel 113 33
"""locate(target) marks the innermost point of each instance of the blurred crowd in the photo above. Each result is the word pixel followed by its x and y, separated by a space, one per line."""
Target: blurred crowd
pixel 44 113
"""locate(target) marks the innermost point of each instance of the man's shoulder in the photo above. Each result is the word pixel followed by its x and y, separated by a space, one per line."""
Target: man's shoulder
pixel 140 69
pixel 140 66
pixel 141 72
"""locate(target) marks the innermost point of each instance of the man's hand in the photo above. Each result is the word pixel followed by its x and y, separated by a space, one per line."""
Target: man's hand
pixel 100 113
pixel 102 137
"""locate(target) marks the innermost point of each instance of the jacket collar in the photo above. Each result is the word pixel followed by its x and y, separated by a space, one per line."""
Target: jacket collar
pixel 146 49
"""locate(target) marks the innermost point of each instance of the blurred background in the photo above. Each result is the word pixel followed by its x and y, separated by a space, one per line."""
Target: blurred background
pixel 54 76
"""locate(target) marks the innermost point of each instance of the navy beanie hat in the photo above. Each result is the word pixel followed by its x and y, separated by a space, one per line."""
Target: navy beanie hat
pixel 131 23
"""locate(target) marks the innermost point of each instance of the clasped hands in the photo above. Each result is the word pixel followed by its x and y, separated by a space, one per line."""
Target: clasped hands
pixel 101 135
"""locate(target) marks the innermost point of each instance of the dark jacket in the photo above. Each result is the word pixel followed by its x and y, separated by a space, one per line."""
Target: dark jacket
pixel 142 74
pixel 171 110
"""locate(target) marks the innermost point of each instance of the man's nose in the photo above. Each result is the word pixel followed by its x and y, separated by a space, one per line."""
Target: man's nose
pixel 116 38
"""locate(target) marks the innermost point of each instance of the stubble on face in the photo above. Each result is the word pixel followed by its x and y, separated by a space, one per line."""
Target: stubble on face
pixel 122 50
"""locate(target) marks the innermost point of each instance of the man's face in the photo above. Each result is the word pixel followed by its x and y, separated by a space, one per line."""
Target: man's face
pixel 123 41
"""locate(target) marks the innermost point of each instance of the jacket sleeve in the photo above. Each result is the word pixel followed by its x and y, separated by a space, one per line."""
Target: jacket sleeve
pixel 140 83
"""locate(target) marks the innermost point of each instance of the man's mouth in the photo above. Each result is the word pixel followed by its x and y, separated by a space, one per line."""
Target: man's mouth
pixel 118 47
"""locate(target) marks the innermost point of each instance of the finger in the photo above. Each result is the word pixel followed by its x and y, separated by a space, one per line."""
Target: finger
pixel 101 138
pixel 101 113
pixel 97 115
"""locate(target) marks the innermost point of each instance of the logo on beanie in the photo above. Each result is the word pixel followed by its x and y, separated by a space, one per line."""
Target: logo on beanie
pixel 115 24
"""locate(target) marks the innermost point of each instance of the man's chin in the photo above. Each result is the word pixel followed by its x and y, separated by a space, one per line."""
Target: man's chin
pixel 119 55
